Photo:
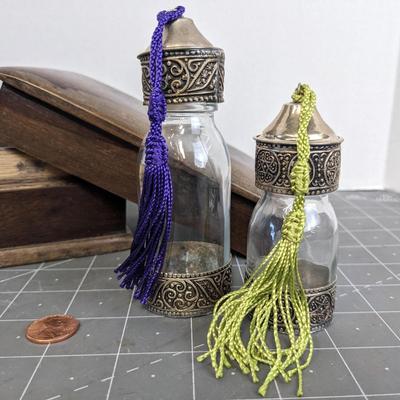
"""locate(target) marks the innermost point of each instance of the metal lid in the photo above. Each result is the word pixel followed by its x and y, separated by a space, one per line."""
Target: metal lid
pixel 276 153
pixel 283 129
pixel 193 67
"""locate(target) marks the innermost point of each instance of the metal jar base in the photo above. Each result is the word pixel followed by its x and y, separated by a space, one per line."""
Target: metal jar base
pixel 321 304
pixel 189 295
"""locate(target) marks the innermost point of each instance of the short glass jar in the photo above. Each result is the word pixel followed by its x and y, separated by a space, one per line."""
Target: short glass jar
pixel 275 156
pixel 318 249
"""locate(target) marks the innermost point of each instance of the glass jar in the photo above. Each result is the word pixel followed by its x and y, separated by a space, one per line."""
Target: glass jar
pixel 318 249
pixel 197 264
pixel 276 154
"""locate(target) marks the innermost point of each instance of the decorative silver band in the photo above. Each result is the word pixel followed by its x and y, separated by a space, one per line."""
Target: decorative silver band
pixel 274 163
pixel 321 303
pixel 189 75
pixel 189 295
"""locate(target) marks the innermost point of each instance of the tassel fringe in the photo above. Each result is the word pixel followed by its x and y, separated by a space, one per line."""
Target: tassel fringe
pixel 142 268
pixel 273 290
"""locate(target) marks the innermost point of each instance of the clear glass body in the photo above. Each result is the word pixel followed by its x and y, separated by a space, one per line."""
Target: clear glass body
pixel 318 250
pixel 201 178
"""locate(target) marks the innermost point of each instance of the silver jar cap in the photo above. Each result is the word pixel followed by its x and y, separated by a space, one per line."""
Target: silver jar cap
pixel 193 67
pixel 276 153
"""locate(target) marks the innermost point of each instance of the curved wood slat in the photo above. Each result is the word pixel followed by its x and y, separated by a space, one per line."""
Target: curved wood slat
pixel 44 112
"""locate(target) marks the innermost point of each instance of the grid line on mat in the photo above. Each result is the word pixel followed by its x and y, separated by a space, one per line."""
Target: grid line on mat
pixel 370 305
pixel 371 214
pixel 373 219
pixel 48 345
pixel 369 252
pixel 119 350
pixel 346 365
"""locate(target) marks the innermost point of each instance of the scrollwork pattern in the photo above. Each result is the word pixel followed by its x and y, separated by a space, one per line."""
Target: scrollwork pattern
pixel 332 167
pixel 188 295
pixel 267 166
pixel 274 164
pixel 321 303
pixel 189 75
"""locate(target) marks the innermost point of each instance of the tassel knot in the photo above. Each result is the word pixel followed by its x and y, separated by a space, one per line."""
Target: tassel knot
pixel 273 295
pixel 156 151
pixel 157 106
pixel 300 177
pixel 166 16
pixel 292 229
pixel 141 269
pixel 299 93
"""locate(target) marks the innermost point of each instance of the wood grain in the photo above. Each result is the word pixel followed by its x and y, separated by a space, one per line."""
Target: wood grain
pixel 93 131
pixel 19 167
pixel 40 205
pixel 64 249
pixel 63 210
pixel 68 144
pixel 88 100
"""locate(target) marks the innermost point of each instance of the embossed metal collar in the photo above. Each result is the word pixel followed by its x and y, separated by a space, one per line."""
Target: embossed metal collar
pixel 274 163
pixel 276 153
pixel 189 295
pixel 190 75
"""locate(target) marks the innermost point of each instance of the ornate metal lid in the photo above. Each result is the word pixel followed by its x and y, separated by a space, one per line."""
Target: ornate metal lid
pixel 276 153
pixel 283 129
pixel 193 67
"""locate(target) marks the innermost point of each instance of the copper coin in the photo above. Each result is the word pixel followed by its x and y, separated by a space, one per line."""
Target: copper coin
pixel 52 329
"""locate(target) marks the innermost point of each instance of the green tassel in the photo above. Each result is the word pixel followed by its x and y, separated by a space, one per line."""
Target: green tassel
pixel 273 289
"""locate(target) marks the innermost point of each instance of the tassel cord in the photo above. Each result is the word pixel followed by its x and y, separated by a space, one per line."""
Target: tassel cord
pixel 143 266
pixel 273 296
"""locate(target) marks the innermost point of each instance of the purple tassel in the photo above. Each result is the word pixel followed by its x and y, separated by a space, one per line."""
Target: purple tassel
pixel 141 269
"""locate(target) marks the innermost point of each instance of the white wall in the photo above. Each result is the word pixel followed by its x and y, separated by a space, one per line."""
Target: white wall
pixel 346 49
pixel 392 167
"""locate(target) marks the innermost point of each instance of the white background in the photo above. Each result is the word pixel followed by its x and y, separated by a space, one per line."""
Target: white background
pixel 347 50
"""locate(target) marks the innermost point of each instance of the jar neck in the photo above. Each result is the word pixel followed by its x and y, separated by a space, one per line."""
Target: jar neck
pixel 191 109
pixel 288 199
pixel 192 118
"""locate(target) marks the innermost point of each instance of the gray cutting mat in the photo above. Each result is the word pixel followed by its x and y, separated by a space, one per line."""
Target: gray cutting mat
pixel 123 352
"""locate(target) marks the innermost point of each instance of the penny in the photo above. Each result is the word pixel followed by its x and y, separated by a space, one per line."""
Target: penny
pixel 52 329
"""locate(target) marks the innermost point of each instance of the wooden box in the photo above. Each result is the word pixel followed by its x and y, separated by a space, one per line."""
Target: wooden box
pixel 47 214
pixel 93 131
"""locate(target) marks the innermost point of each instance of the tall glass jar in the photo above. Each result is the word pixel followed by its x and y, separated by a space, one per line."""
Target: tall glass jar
pixel 201 178
pixel 275 156
pixel 196 271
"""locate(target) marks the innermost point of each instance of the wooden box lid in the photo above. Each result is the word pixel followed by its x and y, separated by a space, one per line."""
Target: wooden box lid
pixel 119 116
